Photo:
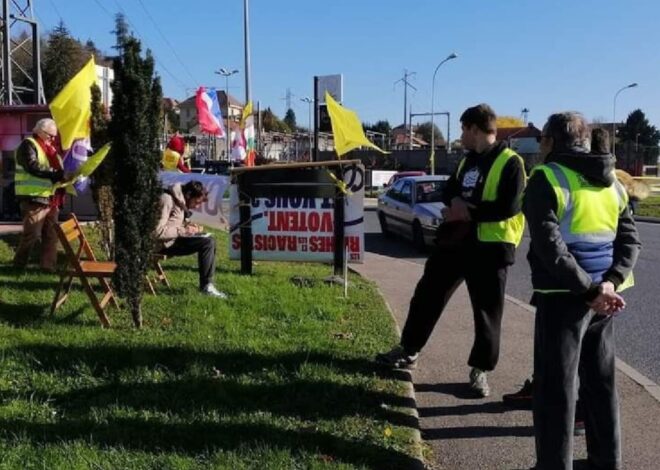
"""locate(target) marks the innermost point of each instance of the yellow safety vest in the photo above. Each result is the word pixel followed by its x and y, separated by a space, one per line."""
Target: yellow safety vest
pixel 588 215
pixel 27 184
pixel 504 231
pixel 170 159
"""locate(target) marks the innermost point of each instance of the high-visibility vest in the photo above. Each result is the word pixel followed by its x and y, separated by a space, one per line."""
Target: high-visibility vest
pixel 588 219
pixel 503 231
pixel 27 184
pixel 170 159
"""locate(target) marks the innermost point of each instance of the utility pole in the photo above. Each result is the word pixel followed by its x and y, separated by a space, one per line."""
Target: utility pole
pixel 246 45
pixel 406 84
pixel 309 101
pixel 288 97
pixel 227 73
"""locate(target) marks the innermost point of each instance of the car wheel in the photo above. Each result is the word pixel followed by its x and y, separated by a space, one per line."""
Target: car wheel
pixel 418 236
pixel 383 225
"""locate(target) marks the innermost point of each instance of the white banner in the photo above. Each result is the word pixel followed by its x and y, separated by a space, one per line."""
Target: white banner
pixel 379 178
pixel 301 229
pixel 211 212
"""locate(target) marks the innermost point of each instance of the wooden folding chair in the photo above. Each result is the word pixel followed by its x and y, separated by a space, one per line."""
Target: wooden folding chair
pixel 81 263
pixel 160 276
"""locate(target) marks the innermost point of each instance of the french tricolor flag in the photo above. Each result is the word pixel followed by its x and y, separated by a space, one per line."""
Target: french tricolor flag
pixel 208 112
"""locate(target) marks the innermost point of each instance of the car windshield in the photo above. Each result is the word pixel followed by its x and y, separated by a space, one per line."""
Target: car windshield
pixel 429 191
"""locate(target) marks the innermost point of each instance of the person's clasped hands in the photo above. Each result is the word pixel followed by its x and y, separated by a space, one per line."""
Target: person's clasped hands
pixel 457 211
pixel 607 302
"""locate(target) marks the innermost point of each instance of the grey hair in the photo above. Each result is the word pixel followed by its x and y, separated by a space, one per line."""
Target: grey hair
pixel 568 130
pixel 43 124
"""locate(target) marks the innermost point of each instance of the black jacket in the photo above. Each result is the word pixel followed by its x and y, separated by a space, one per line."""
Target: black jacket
pixel 26 156
pixel 551 263
pixel 469 185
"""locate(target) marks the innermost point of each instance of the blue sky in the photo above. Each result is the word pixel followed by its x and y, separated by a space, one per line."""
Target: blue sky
pixel 543 55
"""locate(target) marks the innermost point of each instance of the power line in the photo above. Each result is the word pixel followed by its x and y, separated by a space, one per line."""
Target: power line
pixel 176 56
pixel 159 63
pixel 57 12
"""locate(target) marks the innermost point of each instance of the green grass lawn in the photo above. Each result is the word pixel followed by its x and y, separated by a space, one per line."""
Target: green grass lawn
pixel 649 207
pixel 276 377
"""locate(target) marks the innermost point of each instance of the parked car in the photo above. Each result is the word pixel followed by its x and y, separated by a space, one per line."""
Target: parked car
pixel 403 174
pixel 412 207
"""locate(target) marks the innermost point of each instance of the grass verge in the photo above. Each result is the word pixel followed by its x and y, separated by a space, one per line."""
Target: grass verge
pixel 278 376
pixel 649 207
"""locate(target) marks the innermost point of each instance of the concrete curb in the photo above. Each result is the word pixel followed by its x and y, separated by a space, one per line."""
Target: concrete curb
pixel 640 379
pixel 409 388
pixel 650 220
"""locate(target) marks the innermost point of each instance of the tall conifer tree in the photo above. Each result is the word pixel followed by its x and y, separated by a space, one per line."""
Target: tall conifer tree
pixel 134 131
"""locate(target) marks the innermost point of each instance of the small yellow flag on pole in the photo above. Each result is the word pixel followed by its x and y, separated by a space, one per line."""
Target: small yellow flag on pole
pixel 346 128
pixel 72 107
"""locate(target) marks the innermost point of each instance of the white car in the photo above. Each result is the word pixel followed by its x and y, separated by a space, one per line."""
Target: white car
pixel 411 207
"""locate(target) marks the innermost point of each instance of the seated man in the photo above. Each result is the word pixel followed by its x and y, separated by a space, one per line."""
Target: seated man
pixel 178 237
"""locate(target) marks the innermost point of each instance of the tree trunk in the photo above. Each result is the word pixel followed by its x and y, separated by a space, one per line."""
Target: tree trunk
pixel 136 312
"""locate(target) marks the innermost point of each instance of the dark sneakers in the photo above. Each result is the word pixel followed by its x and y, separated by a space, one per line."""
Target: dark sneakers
pixel 397 358
pixel 522 398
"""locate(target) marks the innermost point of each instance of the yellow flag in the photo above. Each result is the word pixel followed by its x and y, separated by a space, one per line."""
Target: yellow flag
pixel 72 107
pixel 88 167
pixel 247 112
pixel 346 128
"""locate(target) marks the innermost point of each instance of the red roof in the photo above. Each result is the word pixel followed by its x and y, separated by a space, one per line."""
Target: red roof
pixel 505 133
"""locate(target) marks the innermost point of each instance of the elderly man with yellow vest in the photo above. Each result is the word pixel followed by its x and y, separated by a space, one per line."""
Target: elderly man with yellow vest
pixel 38 168
pixel 583 247
pixel 476 243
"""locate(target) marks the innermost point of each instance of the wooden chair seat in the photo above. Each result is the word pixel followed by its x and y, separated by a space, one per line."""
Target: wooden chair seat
pixel 97 268
pixel 82 264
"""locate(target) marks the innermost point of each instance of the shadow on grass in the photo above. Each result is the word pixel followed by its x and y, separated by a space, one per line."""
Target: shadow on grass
pixel 194 439
pixel 239 386
pixel 22 315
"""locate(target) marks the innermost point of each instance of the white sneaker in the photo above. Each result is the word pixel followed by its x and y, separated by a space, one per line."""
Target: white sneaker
pixel 479 382
pixel 211 291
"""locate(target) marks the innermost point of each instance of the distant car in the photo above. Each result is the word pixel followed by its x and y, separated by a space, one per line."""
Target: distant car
pixel 412 207
pixel 403 174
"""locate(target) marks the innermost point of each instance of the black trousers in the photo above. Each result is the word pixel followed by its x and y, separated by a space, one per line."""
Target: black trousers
pixel 570 340
pixel 444 271
pixel 205 249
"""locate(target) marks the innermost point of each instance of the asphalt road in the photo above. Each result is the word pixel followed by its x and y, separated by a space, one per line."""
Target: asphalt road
pixel 637 328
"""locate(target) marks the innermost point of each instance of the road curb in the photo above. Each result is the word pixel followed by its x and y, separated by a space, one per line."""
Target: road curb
pixel 640 379
pixel 408 384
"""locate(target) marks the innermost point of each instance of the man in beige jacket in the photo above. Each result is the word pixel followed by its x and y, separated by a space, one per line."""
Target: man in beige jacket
pixel 178 237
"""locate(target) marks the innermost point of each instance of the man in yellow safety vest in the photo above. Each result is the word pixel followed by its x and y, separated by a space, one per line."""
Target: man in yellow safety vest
pixel 38 168
pixel 583 247
pixel 476 243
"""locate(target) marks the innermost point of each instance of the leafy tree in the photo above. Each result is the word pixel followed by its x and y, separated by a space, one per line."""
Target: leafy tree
pixel 290 119
pixel 638 129
pixel 271 123
pixel 424 131
pixel 509 121
pixel 134 131
pixel 383 127
pixel 63 57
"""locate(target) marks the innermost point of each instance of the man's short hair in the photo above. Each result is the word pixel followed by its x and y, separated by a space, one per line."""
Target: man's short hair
pixel 568 130
pixel 482 116
pixel 194 189
pixel 43 124
pixel 600 141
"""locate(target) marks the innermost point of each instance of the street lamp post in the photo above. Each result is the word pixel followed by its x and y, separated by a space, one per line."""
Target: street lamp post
pixel 227 73
pixel 449 57
pixel 632 85
pixel 309 101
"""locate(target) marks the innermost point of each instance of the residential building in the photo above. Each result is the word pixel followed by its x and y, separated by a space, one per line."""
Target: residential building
pixel 188 110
